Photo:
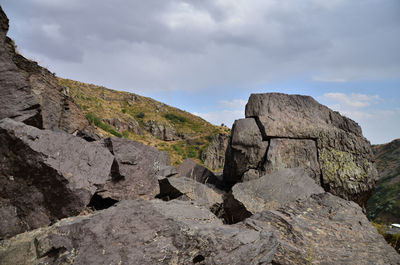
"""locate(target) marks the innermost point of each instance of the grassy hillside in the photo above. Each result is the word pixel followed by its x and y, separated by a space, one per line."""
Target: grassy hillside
pixel 143 119
pixel 384 205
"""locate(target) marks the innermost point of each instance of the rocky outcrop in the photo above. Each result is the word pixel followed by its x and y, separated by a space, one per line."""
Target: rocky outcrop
pixel 190 169
pixel 286 131
pixel 324 229
pixel 46 175
pixel 121 126
pixel 135 170
pixel 214 156
pixel 161 131
pixel 31 94
pixel 141 232
pixel 275 190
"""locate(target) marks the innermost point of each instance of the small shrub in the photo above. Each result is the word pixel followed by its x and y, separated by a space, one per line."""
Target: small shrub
pixel 140 115
pixel 175 118
pixel 123 110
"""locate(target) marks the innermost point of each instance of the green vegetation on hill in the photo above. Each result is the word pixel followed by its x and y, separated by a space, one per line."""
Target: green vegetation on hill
pixel 122 114
pixel 384 205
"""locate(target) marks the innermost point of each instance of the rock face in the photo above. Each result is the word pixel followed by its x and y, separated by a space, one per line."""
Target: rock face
pixel 214 156
pixel 31 94
pixel 275 190
pixel 286 131
pixel 46 175
pixel 189 189
pixel 134 171
pixel 324 229
pixel 142 232
pixel 190 169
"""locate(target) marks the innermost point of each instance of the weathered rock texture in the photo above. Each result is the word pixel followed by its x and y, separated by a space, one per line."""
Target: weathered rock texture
pixel 214 155
pixel 135 170
pixel 31 94
pixel 190 169
pixel 324 229
pixel 46 175
pixel 141 232
pixel 286 131
pixel 275 190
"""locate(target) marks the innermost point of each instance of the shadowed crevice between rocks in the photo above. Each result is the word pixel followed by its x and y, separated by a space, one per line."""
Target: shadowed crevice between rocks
pixel 233 210
pixel 167 191
pixel 99 203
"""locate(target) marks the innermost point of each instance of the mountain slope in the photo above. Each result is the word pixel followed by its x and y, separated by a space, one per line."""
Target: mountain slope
pixel 384 205
pixel 146 120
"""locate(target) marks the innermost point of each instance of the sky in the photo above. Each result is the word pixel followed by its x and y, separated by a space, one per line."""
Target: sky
pixel 208 56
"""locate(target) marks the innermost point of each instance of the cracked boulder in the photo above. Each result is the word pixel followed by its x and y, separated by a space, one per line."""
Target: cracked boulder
pixel 141 232
pixel 274 190
pixel 245 152
pixel 46 175
pixel 189 189
pixel 297 131
pixel 135 170
pixel 324 229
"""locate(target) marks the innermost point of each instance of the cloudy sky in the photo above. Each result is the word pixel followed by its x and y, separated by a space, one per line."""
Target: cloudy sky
pixel 207 56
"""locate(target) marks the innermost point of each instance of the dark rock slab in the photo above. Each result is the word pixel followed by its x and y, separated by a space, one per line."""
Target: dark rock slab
pixel 31 94
pixel 214 155
pixel 46 175
pixel 275 189
pixel 141 232
pixel 199 193
pixel 246 150
pixel 324 229
pixel 293 153
pixel 135 170
pixel 190 169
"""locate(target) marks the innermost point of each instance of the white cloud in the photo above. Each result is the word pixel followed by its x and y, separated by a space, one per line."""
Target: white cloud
pixel 379 125
pixel 351 101
pixel 230 111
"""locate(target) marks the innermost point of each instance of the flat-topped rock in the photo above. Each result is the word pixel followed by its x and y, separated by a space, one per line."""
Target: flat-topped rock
pixel 300 132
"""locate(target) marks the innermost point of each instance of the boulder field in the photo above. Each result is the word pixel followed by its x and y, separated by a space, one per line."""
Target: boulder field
pixel 295 181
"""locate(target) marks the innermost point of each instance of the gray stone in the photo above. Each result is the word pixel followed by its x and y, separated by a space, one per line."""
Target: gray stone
pixel 135 170
pixel 324 229
pixel 31 94
pixel 46 175
pixel 293 153
pixel 304 133
pixel 197 192
pixel 246 150
pixel 214 156
pixel 275 189
pixel 141 232
pixel 190 169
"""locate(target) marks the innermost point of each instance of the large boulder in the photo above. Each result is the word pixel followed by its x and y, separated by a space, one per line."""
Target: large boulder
pixel 324 229
pixel 31 94
pixel 46 175
pixel 275 190
pixel 300 132
pixel 135 170
pixel 141 232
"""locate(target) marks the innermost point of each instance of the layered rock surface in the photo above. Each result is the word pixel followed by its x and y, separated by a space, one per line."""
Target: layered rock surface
pixel 141 232
pixel 31 94
pixel 287 131
pixel 135 170
pixel 324 229
pixel 46 175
